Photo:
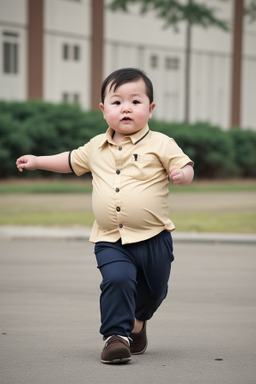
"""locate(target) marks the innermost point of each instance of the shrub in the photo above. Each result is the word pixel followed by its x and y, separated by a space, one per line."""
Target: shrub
pixel 245 152
pixel 13 143
pixel 211 149
pixel 44 129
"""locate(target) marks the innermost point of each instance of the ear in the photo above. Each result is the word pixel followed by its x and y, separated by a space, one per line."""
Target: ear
pixel 101 105
pixel 151 107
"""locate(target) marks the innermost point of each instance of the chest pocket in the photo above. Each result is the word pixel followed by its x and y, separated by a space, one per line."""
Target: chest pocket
pixel 145 166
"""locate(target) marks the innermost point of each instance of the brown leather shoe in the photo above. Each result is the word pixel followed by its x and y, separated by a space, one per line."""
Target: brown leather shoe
pixel 116 350
pixel 139 341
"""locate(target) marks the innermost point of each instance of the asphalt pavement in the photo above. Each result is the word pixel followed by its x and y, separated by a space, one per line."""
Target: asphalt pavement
pixel 204 332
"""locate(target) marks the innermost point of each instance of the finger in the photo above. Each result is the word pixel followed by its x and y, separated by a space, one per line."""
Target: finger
pixel 20 160
pixel 20 169
pixel 173 168
pixel 21 165
pixel 175 174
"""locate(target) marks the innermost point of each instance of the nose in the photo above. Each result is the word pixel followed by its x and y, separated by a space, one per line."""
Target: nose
pixel 126 107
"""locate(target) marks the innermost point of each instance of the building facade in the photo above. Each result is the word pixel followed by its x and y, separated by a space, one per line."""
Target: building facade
pixel 49 51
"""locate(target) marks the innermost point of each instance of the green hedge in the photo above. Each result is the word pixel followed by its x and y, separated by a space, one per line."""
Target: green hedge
pixel 43 129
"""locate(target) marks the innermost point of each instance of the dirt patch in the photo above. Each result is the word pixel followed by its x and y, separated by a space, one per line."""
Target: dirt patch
pixel 180 202
pixel 213 202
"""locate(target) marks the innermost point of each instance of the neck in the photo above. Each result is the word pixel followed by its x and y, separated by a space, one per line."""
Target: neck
pixel 117 137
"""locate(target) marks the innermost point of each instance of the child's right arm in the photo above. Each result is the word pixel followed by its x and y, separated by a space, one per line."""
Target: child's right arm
pixel 55 163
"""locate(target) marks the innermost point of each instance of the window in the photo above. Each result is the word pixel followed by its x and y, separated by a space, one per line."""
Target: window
pixel 10 52
pixel 65 51
pixel 71 52
pixel 153 61
pixel 65 97
pixel 72 98
pixel 172 63
pixel 76 52
pixel 76 98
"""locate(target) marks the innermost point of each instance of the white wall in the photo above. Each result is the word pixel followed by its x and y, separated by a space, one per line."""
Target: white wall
pixel 248 94
pixel 67 22
pixel 13 18
pixel 13 11
pixel 132 40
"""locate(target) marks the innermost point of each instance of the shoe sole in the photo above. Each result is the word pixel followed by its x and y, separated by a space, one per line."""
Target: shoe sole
pixel 144 349
pixel 140 352
pixel 117 361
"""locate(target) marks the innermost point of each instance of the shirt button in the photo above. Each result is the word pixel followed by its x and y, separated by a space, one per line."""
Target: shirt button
pixel 120 225
pixel 118 172
pixel 118 209
pixel 120 148
pixel 117 190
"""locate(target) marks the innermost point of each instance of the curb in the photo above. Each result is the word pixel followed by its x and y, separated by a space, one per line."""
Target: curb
pixel 83 233
pixel 231 238
pixel 44 233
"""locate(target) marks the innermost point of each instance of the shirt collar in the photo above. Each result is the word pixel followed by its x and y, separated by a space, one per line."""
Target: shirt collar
pixel 135 138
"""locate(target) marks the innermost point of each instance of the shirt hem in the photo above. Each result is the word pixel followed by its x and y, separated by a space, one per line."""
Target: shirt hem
pixel 96 239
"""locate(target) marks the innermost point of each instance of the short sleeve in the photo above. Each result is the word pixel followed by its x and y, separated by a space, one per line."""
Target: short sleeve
pixel 79 160
pixel 173 155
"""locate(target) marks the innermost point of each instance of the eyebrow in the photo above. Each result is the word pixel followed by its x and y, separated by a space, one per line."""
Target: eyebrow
pixel 133 95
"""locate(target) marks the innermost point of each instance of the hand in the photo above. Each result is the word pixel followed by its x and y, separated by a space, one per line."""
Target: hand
pixel 181 176
pixel 176 175
pixel 27 162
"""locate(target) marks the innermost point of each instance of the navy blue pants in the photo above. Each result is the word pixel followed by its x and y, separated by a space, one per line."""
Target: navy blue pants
pixel 134 281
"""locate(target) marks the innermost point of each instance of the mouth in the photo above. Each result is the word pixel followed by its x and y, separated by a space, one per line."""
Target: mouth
pixel 126 118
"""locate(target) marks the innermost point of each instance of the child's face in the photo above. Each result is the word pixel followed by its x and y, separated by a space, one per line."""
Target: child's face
pixel 127 109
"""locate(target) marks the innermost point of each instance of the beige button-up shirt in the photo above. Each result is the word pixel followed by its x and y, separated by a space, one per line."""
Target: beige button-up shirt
pixel 130 183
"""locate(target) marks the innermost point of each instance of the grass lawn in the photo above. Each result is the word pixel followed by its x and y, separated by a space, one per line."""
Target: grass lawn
pixel 48 219
pixel 185 222
pixel 226 222
pixel 83 185
pixel 68 203
pixel 30 186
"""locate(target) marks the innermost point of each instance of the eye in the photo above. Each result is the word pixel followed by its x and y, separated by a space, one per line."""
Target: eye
pixel 116 103
pixel 136 102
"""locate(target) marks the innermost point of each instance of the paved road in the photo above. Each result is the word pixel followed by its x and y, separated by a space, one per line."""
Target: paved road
pixel 49 317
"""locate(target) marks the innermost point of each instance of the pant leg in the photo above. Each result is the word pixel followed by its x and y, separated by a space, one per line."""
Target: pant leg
pixel 118 289
pixel 154 257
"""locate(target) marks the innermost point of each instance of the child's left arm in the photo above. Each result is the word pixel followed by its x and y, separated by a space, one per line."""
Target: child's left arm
pixel 181 176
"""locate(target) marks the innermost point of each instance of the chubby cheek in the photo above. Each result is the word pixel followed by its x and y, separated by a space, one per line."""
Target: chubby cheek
pixel 111 116
pixel 142 116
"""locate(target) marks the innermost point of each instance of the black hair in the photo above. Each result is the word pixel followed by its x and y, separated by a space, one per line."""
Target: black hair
pixel 126 75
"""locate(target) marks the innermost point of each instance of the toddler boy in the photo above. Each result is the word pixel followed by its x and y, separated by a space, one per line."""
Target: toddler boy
pixel 131 167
